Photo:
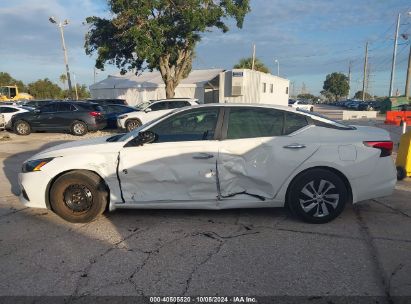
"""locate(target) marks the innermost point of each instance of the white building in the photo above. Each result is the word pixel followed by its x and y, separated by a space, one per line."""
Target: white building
pixel 208 86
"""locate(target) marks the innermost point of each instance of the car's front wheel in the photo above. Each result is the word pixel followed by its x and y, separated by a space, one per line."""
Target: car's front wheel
pixel 132 124
pixel 317 196
pixel 78 197
pixel 22 127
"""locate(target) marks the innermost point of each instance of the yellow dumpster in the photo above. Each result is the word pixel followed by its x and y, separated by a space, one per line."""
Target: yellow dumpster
pixel 403 161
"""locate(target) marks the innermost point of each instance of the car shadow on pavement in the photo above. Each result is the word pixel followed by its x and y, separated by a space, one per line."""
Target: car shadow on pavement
pixel 13 163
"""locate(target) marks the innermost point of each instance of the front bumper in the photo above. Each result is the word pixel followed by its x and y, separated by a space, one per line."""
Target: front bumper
pixel 33 186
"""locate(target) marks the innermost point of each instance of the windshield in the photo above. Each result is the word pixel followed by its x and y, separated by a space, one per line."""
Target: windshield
pixel 143 105
pixel 4 91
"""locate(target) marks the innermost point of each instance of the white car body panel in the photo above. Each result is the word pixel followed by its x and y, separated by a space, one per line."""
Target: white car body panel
pixel 141 116
pixel 182 170
pixel 240 174
pixel 8 116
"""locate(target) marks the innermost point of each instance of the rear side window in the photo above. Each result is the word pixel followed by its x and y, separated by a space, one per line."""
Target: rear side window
pixel 7 110
pixel 177 104
pixel 294 122
pixel 65 107
pixel 258 122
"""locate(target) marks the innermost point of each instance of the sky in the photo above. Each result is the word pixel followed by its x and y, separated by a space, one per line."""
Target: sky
pixel 310 39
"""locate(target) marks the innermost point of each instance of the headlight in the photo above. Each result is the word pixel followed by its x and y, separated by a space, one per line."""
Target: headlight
pixel 35 165
pixel 122 116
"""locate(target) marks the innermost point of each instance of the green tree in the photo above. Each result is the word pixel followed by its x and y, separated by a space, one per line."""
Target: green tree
pixel 158 34
pixel 247 63
pixel 358 95
pixel 307 96
pixel 329 96
pixel 7 80
pixel 63 79
pixel 337 84
pixel 45 89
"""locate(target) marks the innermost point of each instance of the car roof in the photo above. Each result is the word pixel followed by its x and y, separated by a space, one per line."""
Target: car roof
pixel 175 99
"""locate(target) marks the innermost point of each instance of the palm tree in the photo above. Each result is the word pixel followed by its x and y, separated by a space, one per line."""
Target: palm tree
pixel 247 63
pixel 63 79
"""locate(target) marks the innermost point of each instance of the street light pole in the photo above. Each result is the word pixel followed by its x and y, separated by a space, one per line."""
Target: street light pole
pixel 278 66
pixel 60 25
pixel 394 56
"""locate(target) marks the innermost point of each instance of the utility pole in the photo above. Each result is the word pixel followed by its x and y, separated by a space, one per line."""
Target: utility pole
pixel 394 55
pixel 349 80
pixel 365 71
pixel 407 83
pixel 60 25
pixel 253 63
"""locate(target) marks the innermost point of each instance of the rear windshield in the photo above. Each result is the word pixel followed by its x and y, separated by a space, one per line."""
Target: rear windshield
pixel 323 121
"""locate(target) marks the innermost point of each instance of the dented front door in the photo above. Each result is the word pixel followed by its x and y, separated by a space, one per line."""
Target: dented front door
pixel 169 171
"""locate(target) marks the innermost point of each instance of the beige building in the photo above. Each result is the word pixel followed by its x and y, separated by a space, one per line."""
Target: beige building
pixel 208 86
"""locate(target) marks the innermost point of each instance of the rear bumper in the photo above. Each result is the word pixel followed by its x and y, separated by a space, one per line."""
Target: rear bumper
pixel 381 182
pixel 97 126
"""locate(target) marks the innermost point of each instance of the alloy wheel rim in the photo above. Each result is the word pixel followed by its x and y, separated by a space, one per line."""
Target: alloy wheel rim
pixel 132 125
pixel 78 128
pixel 78 198
pixel 22 128
pixel 319 198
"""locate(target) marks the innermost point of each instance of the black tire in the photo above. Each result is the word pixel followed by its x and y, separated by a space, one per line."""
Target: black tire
pixel 78 197
pixel 132 124
pixel 401 173
pixel 307 202
pixel 22 127
pixel 78 128
pixel 312 109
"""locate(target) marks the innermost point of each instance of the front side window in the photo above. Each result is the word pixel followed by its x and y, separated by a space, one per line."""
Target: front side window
pixel 254 122
pixel 199 124
pixel 7 110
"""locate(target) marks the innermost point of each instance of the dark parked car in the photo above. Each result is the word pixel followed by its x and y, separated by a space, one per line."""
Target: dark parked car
pixel 76 117
pixel 113 111
pixel 105 102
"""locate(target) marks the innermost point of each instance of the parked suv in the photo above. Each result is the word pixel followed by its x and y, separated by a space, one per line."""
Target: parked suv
pixel 76 117
pixel 151 110
pixel 105 102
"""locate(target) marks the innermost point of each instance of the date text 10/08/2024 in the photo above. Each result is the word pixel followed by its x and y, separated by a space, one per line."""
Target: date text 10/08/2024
pixel 235 299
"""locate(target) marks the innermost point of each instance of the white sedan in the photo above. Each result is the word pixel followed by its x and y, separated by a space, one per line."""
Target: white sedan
pixel 152 110
pixel 216 157
pixel 300 105
pixel 9 111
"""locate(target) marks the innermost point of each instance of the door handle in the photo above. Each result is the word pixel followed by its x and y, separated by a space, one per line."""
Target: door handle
pixel 294 146
pixel 203 156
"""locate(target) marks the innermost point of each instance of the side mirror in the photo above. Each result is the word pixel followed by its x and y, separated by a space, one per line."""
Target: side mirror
pixel 147 110
pixel 142 138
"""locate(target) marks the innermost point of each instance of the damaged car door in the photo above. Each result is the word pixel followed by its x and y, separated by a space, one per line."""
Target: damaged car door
pixel 179 164
pixel 259 151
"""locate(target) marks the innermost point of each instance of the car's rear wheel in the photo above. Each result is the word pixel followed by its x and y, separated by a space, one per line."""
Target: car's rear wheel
pixel 79 128
pixel 132 124
pixel 78 197
pixel 401 174
pixel 317 196
pixel 22 127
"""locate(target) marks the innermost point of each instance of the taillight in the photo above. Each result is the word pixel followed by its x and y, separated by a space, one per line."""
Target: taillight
pixel 95 114
pixel 385 146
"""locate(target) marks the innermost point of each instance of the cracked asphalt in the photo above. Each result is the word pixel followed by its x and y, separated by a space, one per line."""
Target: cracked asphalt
pixel 256 252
